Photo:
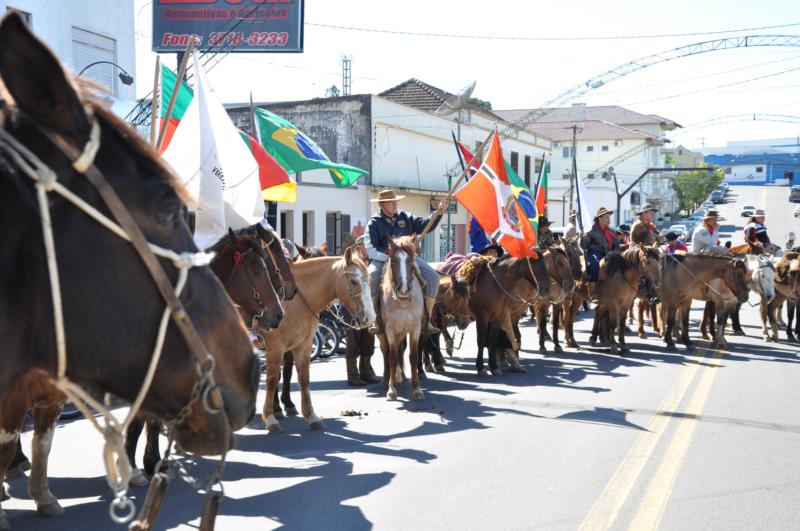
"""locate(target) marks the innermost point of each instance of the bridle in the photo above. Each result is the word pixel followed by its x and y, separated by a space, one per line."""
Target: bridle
pixel 512 296
pixel 354 296
pixel 204 390
pixel 238 259
pixel 281 287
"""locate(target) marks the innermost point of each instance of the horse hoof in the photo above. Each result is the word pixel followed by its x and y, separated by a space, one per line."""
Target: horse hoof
pixel 496 372
pixel 624 349
pixel 50 509
pixel 739 332
pixel 642 335
pixel 482 372
pixel 518 369
pixel 278 414
pixel 274 428
pixel 543 350
pixel 689 345
pixel 291 411
pixel 671 346
pixel 419 395
pixel 439 369
pixel 138 479
pixel 391 394
pixel 557 348
pixel 19 470
pixel 429 367
pixel 316 425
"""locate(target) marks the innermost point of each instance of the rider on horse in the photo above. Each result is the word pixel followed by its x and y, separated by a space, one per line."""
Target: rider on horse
pixel 546 238
pixel 706 236
pixel 598 242
pixel 674 244
pixel 755 233
pixel 643 231
pixel 391 223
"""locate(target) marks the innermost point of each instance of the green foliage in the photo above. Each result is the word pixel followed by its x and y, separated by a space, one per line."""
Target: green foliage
pixel 669 160
pixel 332 92
pixel 483 104
pixel 693 187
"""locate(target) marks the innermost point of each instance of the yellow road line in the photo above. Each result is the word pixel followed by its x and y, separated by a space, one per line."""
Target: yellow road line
pixel 605 510
pixel 658 492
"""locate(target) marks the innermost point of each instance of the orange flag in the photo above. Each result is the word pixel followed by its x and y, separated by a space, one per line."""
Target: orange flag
pixel 488 196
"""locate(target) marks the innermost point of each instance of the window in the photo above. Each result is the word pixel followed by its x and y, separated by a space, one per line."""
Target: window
pixel 759 169
pixel 308 228
pixel 515 161
pixel 528 170
pixel 287 220
pixel 604 148
pixel 589 149
pixel 337 226
pixel 556 144
pixel 88 48
pixel 565 152
pixel 680 152
pixel 590 176
pixel 26 17
pixel 728 171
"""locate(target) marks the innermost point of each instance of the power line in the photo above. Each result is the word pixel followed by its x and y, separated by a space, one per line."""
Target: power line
pixel 523 38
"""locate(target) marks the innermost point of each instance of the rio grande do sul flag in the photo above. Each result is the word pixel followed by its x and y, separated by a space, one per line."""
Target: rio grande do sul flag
pixel 490 199
pixel 214 164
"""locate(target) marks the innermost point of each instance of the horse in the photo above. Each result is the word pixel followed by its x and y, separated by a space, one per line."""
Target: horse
pixel 580 293
pixel 109 293
pixel 787 288
pixel 504 287
pixel 626 273
pixel 452 305
pixel 249 268
pixel 686 277
pixel 402 310
pixel 562 277
pixel 319 282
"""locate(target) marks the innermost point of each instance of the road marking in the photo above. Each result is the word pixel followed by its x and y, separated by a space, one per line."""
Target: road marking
pixel 651 508
pixel 606 509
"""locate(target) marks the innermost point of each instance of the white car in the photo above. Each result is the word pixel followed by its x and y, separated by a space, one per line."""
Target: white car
pixel 747 211
pixel 796 211
pixel 679 229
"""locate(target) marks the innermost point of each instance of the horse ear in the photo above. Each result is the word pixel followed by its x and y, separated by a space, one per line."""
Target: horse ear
pixel 263 233
pixel 324 247
pixel 37 81
pixel 348 255
pixel 235 239
pixel 301 251
pixel 414 238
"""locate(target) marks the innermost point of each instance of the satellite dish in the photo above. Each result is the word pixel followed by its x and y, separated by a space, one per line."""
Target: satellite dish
pixel 456 101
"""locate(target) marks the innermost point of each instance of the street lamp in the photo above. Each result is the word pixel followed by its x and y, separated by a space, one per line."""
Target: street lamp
pixel 124 76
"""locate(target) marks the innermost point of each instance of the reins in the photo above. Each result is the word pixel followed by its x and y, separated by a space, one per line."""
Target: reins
pixel 205 390
pixel 511 295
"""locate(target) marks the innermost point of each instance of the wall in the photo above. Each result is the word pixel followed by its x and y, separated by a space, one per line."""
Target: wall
pixel 53 22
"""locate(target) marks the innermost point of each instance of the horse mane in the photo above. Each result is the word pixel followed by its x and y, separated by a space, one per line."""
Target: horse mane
pixel 407 244
pixel 470 270
pixel 622 261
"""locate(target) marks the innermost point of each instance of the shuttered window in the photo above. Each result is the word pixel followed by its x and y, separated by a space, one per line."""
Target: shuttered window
pixel 89 47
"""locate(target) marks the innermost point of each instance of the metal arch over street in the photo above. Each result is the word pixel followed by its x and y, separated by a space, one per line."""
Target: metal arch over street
pixel 732 118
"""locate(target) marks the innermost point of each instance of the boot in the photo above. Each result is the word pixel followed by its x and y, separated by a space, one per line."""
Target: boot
pixel 430 330
pixel 365 369
pixel 352 373
pixel 377 326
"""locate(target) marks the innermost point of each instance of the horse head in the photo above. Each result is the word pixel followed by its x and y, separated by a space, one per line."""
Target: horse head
pixel 650 265
pixel 241 264
pixel 537 267
pixel 574 253
pixel 456 301
pixel 563 272
pixel 737 278
pixel 111 303
pixel 281 271
pixel 352 288
pixel 794 276
pixel 763 275
pixel 401 263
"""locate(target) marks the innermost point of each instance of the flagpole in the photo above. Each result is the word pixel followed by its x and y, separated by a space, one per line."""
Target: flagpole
pixel 181 72
pixel 154 103
pixel 435 216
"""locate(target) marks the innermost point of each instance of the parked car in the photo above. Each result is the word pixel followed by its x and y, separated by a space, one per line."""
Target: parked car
pixel 796 211
pixel 717 197
pixel 708 205
pixel 679 229
pixel 747 211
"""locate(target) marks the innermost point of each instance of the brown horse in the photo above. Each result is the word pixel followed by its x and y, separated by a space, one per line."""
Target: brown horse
pixel 452 305
pixel 580 293
pixel 685 277
pixel 111 304
pixel 787 288
pixel 402 310
pixel 562 278
pixel 250 269
pixel 626 273
pixel 505 287
pixel 319 282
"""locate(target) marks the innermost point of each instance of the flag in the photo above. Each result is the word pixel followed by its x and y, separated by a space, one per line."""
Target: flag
pixel 211 160
pixel 465 156
pixel 296 152
pixel 488 196
pixel 585 216
pixel 524 197
pixel 275 182
pixel 541 189
pixel 185 93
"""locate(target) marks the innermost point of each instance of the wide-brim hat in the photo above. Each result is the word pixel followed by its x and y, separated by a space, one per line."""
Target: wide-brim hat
pixel 710 214
pixel 671 236
pixel 602 211
pixel 387 195
pixel 623 229
pixel 759 213
pixel 494 246
pixel 647 207
pixel 543 221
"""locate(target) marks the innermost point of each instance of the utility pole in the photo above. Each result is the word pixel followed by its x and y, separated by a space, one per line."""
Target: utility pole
pixel 347 75
pixel 574 164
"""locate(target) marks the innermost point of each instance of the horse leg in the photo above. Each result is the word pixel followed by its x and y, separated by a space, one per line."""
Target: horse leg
pixel 436 352
pixel 482 329
pixel 737 326
pixel 44 425
pixel 495 365
pixel 448 342
pixel 615 322
pixel 391 368
pixel 131 441
pixel 570 314
pixel 557 310
pixel 790 310
pixel 273 370
pixel 685 332
pixel 670 312
pixel 152 453
pixel 796 320
pixel 413 349
pixel 302 362
pixel 641 309
pixel 541 325
pixel 286 387
pixel 704 324
pixel 511 349
pixel 722 316
pixel 8 448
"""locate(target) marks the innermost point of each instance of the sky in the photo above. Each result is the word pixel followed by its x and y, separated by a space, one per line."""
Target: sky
pixel 528 73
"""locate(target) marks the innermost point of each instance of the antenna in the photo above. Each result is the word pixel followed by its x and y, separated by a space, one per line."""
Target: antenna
pixel 456 101
pixel 347 75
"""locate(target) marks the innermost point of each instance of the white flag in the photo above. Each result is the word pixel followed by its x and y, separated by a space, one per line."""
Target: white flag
pixel 586 217
pixel 215 165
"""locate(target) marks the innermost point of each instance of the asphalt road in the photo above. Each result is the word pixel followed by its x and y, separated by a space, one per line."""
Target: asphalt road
pixel 672 440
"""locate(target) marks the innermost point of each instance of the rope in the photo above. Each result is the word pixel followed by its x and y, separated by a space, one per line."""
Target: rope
pixel 692 274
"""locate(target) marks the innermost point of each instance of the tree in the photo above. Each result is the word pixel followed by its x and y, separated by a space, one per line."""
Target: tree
pixel 483 104
pixel 332 92
pixel 694 186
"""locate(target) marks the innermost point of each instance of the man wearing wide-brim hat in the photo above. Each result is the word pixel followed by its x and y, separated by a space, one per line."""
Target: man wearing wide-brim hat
pixel 598 242
pixel 706 236
pixel 391 222
pixel 755 233
pixel 571 229
pixel 545 236
pixel 643 231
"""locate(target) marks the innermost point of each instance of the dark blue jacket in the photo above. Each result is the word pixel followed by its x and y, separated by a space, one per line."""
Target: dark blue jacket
pixel 381 227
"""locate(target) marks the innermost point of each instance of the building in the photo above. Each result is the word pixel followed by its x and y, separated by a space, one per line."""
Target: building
pixel 404 139
pixel 758 162
pixel 609 141
pixel 682 157
pixel 83 32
